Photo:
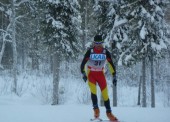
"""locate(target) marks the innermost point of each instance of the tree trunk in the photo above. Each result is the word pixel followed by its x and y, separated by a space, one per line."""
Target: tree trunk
pixel 14 49
pixel 144 82
pixel 169 57
pixel 139 91
pixel 101 100
pixel 152 83
pixel 35 63
pixel 23 55
pixel 56 71
pixel 83 25
pixel 3 42
pixel 114 88
pixel 114 95
pixel 157 71
pixel 2 49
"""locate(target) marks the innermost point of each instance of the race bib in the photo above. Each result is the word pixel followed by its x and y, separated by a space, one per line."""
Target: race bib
pixel 98 57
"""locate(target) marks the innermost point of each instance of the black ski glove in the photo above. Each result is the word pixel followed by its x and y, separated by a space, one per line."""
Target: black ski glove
pixel 114 81
pixel 84 77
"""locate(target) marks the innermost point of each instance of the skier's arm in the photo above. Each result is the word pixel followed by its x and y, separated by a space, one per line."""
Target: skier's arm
pixel 110 62
pixel 85 59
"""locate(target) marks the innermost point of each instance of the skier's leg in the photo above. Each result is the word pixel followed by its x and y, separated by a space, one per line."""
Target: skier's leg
pixel 104 90
pixel 93 90
pixel 103 86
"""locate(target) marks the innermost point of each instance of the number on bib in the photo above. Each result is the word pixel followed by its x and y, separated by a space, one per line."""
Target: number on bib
pixel 97 63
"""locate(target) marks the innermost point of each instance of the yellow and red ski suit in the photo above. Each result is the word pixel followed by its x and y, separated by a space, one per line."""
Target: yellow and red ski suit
pixel 95 60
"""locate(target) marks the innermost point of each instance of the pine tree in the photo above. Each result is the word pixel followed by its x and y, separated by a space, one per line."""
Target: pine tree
pixel 151 28
pixel 88 24
pixel 137 28
pixel 111 20
pixel 29 36
pixel 61 29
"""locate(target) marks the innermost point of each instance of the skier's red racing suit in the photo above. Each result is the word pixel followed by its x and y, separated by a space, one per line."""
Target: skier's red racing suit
pixel 95 60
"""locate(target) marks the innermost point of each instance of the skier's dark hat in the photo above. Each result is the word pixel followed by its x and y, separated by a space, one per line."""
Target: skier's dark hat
pixel 98 39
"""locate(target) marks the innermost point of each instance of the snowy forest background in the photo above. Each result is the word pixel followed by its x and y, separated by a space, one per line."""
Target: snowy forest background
pixel 42 43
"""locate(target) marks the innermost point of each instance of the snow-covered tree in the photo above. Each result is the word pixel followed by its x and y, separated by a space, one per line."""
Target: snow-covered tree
pixel 13 34
pixel 150 38
pixel 61 29
pixel 137 29
pixel 88 24
pixel 28 36
pixel 111 20
pixel 4 29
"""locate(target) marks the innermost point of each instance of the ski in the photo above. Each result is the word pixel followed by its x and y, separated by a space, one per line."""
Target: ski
pixel 103 120
pixel 110 120
pixel 96 119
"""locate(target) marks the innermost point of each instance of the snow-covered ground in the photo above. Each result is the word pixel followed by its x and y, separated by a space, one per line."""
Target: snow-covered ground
pixel 30 109
pixel 33 102
pixel 13 112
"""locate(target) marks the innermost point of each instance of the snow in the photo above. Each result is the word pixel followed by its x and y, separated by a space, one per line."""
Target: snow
pixel 144 12
pixel 112 12
pixel 128 57
pixel 35 92
pixel 158 46
pixel 57 24
pixel 119 22
pixel 151 2
pixel 143 32
pixel 33 102
pixel 9 12
pixel 78 113
pixel 1 9
pixel 54 1
pixel 158 9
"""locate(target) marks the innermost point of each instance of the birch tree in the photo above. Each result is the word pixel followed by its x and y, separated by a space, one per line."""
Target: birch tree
pixel 11 29
pixel 4 29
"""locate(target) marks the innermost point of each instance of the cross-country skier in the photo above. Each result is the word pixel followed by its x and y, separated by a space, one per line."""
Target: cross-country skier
pixel 95 59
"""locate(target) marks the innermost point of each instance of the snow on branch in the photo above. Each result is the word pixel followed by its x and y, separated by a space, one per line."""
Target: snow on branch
pixel 128 5
pixel 21 16
pixel 160 46
pixel 3 4
pixel 6 33
pixel 1 9
pixel 112 1
pixel 3 30
pixel 118 22
pixel 1 67
pixel 55 23
pixel 21 2
pixel 143 32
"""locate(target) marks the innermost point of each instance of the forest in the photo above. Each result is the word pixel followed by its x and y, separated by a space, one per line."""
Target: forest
pixel 42 44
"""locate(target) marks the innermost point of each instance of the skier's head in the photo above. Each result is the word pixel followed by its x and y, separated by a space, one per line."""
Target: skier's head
pixel 98 41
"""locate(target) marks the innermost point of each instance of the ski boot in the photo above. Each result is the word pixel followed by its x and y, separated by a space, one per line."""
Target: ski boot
pixel 96 112
pixel 111 117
